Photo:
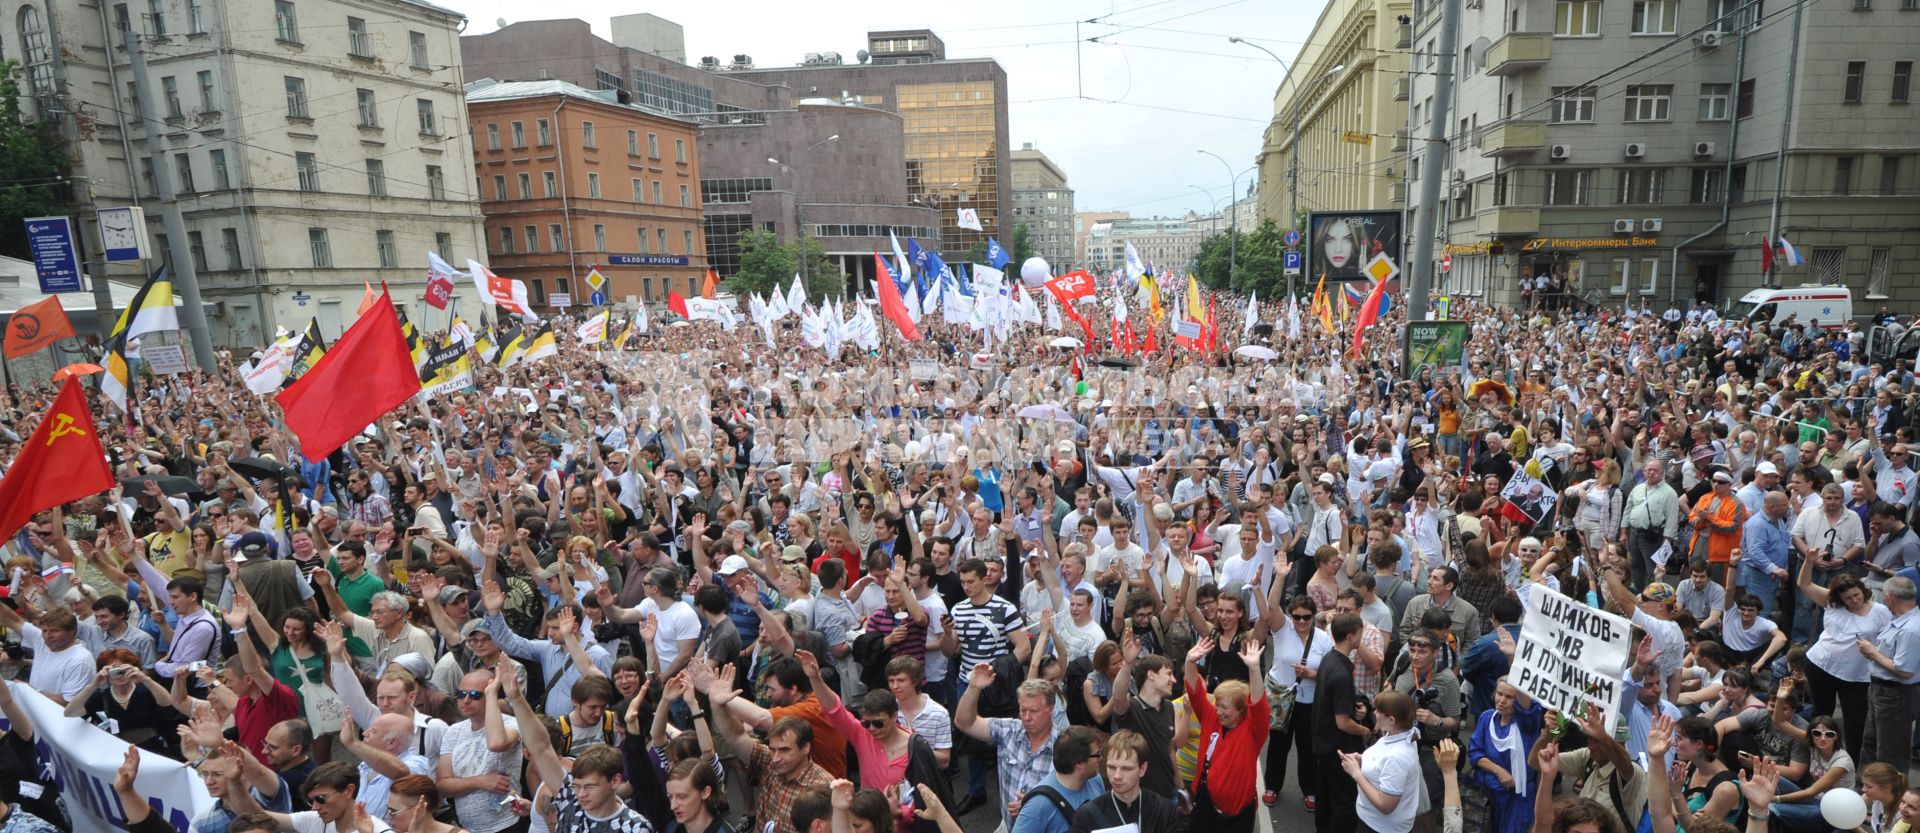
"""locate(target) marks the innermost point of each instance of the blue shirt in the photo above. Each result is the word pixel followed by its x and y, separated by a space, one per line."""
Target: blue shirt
pixel 1764 544
pixel 1040 815
pixel 989 489
pixel 1484 665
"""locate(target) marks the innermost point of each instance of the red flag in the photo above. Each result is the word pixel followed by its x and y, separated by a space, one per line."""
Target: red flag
pixel 1078 375
pixel 1766 258
pixel 677 303
pixel 36 325
pixel 1070 287
pixel 1213 328
pixel 62 462
pixel 439 291
pixel 1369 313
pixel 891 304
pixel 368 372
pixel 1153 344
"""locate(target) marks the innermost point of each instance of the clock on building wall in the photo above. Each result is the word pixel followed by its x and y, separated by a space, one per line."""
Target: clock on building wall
pixel 123 234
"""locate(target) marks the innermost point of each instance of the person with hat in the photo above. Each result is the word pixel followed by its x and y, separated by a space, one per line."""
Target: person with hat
pixel 1766 477
pixel 275 585
pixel 1717 519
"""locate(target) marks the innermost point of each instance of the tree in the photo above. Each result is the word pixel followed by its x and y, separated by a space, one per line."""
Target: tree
pixel 977 254
pixel 824 278
pixel 1023 244
pixel 1257 266
pixel 36 166
pixel 767 266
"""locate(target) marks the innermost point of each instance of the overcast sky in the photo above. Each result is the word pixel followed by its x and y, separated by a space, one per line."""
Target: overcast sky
pixel 1167 82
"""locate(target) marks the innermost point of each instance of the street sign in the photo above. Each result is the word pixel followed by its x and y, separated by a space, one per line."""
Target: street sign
pixel 560 299
pixel 123 234
pixel 1291 238
pixel 301 298
pixel 55 259
pixel 595 280
pixel 598 298
pixel 1381 268
pixel 1446 264
pixel 1292 261
pixel 1357 138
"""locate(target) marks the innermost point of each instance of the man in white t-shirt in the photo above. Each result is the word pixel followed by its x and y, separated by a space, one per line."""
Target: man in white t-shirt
pixel 62 667
pixel 670 624
pixel 333 791
pixel 475 773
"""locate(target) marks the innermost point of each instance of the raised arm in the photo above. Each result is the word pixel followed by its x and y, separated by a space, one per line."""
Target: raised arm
pixel 237 620
pixel 1815 593
pixel 966 716
pixel 540 753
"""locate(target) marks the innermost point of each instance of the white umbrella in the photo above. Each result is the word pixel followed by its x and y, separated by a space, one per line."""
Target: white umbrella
pixel 1255 351
pixel 1046 411
pixel 1068 342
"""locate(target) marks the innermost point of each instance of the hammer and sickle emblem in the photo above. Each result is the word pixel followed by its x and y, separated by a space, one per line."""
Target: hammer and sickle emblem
pixel 25 326
pixel 62 426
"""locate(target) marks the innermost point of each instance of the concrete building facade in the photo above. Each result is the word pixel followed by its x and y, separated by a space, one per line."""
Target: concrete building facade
pixel 850 190
pixel 1043 202
pixel 311 144
pixel 571 180
pixel 1635 148
pixel 1351 87
pixel 1168 245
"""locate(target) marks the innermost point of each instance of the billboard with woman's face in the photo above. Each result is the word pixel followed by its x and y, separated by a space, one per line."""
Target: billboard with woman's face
pixel 1341 243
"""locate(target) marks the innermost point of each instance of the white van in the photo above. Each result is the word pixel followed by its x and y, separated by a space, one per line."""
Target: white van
pixel 1830 306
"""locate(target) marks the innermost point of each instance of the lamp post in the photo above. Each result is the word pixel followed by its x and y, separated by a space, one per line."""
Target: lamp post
pixel 1293 156
pixel 799 204
pixel 1233 231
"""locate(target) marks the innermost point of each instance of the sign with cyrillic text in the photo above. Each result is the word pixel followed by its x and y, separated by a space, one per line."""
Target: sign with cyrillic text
pixel 1570 655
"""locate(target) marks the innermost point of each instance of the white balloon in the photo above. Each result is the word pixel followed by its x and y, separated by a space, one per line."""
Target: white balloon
pixel 1843 809
pixel 1035 271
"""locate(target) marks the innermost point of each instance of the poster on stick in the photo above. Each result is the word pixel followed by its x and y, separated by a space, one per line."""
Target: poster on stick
pixel 1571 655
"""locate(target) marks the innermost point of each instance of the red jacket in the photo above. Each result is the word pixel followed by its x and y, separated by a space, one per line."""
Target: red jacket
pixel 1229 762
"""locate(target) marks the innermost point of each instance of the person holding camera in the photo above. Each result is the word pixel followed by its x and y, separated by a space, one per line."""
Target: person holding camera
pixel 132 705
pixel 1435 691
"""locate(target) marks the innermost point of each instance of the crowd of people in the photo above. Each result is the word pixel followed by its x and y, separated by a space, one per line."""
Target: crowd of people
pixel 715 582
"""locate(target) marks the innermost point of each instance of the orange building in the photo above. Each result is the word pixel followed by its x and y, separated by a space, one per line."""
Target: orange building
pixel 572 180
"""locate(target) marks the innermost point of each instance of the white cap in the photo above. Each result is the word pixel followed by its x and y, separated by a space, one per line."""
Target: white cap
pixel 731 565
pixel 1767 468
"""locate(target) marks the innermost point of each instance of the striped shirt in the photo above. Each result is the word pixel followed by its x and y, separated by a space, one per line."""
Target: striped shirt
pixel 914 644
pixel 983 629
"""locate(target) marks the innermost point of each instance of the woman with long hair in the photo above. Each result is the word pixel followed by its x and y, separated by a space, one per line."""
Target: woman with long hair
pixel 1599 502
pixel 1708 790
pixel 1297 648
pixel 297 657
pixel 1836 670
pixel 1341 248
pixel 410 805
pixel 1829 767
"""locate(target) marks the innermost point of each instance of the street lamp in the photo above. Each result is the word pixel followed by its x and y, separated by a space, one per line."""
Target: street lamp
pixel 1233 203
pixel 1293 157
pixel 799 204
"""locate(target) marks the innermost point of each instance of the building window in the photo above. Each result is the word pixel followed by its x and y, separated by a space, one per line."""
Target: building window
pixel 732 190
pixel 1730 13
pixel 389 253
pixel 1715 99
pixel 506 240
pixel 1569 187
pixel 170 91
pixel 680 151
pixel 499 186
pixel 556 239
pixel 1889 175
pixel 1654 17
pixel 217 159
pixel 633 143
pixel 1622 275
pixel 653 145
pixel 545 132
pixel 657 199
pixel 604 80
pixel 493 137
pixel 1856 86
pixel 1649 102
pixel 519 136
pixel 429 126
pixel 660 237
pixel 1573 105
pixel 526 186
pixel 308 169
pixel 1843 175
pixel 1642 186
pixel 443 243
pixel 586 136
pixel 286 24
pixel 196 18
pixel 1737 184
pixel 1463 202
pixel 593 185
pixel 436 183
pixel 1743 103
pixel 1879 264
pixel 296 97
pixel 369 108
pixel 359 44
pixel 417 49
pixel 687 239
pixel 1827 265
pixel 686 197
pixel 183 171
pixel 230 243
pixel 639 194
pixel 552 184
pixel 197 250
pixel 205 77
pixel 533 240
pixel 1902 81
pixel 1649 275
pixel 1576 18
pixel 1500 182
pixel 599 237
pixel 317 245
pixel 1705 189
pixel 376 178
pixel 645 243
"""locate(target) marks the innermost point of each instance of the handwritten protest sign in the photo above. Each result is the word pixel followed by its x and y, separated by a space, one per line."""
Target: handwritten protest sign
pixel 1571 655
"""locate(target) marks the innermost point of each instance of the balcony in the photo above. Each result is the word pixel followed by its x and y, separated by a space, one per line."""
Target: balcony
pixel 1402 88
pixel 1508 220
pixel 1518 52
pixel 1514 138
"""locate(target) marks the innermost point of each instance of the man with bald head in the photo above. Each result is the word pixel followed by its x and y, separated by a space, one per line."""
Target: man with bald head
pixel 476 770
pixel 1764 544
pixel 1651 518
pixel 385 755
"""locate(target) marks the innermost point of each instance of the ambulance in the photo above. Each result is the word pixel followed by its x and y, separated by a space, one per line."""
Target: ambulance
pixel 1830 306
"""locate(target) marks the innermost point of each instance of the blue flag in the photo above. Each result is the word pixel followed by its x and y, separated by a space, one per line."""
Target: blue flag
pixel 996 256
pixel 916 255
pixel 960 279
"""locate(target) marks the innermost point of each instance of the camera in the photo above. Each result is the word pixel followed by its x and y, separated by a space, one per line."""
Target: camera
pixel 1425 698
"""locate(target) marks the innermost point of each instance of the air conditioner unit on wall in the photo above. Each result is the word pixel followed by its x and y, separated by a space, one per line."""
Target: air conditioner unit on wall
pixel 1709 40
pixel 1560 152
pixel 1652 224
pixel 1623 226
pixel 1635 150
pixel 1703 148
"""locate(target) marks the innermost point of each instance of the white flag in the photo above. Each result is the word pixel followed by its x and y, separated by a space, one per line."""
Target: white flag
pixel 640 321
pixel 796 295
pixel 1253 311
pixel 498 291
pixel 1053 315
pixel 594 331
pixel 1135 268
pixel 969 219
pixel 777 306
pixel 1293 318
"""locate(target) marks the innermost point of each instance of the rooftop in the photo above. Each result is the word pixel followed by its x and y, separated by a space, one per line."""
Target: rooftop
pixel 487 89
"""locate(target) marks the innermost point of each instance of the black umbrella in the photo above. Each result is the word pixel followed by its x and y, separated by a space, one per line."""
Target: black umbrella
pixel 258 468
pixel 1118 363
pixel 169 484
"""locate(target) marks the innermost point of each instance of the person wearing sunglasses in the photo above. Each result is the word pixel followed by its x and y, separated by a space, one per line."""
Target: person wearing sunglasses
pixel 1830 767
pixel 479 763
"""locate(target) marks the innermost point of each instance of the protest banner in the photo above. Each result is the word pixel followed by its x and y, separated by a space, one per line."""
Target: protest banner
pixel 1571 655
pixel 83 760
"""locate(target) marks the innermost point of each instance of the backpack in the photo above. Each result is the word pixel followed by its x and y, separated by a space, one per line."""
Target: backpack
pixel 566 728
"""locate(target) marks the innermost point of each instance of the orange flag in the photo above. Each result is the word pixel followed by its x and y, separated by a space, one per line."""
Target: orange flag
pixel 366 298
pixel 36 325
pixel 712 283
pixel 62 462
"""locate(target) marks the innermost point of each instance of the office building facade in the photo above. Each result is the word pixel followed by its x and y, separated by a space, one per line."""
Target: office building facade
pixel 1043 202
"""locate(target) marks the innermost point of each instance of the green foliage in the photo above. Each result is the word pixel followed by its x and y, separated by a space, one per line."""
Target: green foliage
pixel 767 266
pixel 977 254
pixel 1022 244
pixel 36 166
pixel 1258 266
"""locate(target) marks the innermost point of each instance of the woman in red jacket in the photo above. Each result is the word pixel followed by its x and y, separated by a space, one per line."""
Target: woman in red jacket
pixel 1233 728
